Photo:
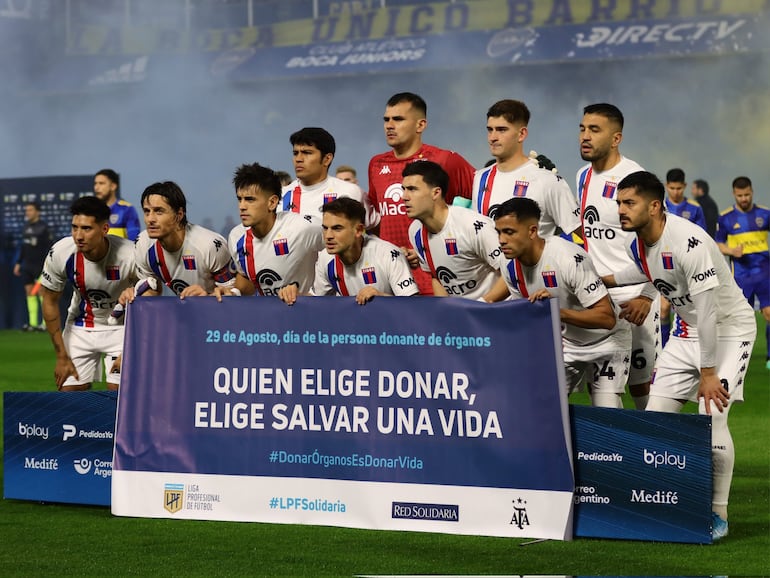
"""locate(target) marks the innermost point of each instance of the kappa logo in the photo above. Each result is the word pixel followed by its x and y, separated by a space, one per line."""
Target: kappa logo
pixel 217 244
pixel 519 518
pixel 579 259
pixel 385 170
pixel 308 218
pixel 692 242
pixel 478 225
pixel 395 254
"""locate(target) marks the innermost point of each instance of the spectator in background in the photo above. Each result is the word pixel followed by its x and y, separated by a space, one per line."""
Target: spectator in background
pixel 284 177
pixel 404 121
pixel 742 236
pixel 347 173
pixel 36 240
pixel 700 192
pixel 124 221
pixel 228 226
pixel 99 267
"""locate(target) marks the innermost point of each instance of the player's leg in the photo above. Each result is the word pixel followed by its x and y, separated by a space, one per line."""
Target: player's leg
pixel 607 376
pixel 762 291
pixel 32 300
pixel 677 376
pixel 80 347
pixel 731 368
pixel 645 347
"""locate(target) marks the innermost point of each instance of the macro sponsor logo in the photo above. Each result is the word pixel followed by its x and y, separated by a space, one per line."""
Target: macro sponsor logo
pixel 429 512
pixel 591 222
pixel 392 200
pixel 657 459
pixel 33 431
pixel 447 277
pixel 100 299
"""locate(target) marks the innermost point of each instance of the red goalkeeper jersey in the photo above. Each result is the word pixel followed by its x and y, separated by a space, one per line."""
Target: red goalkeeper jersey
pixel 385 193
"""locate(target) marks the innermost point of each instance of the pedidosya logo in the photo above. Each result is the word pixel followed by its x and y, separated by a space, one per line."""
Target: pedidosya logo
pixel 430 512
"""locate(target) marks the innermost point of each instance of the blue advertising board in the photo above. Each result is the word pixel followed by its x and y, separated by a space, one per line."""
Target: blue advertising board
pixel 58 446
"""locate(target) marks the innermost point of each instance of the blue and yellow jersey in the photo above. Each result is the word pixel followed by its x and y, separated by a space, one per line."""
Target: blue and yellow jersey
pixel 749 229
pixel 687 209
pixel 124 222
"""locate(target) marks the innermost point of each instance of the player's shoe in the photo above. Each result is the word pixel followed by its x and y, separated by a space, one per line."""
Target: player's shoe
pixel 27 328
pixel 767 365
pixel 718 527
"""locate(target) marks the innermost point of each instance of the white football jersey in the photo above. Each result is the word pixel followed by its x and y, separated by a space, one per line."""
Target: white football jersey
pixel 565 270
pixel 202 260
pixel 96 285
pixel 308 200
pixel 558 207
pixel 464 256
pixel 287 254
pixel 381 265
pixel 685 262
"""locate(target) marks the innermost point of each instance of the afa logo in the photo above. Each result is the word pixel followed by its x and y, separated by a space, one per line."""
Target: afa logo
pixel 519 517
pixel 173 497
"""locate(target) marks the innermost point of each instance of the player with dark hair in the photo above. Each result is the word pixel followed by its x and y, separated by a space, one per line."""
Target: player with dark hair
pixel 705 359
pixel 742 236
pixel 595 345
pixel 189 259
pixel 601 132
pixel 124 222
pixel 313 152
pixel 271 250
pixel 457 246
pixel 357 264
pixel 515 174
pixel 404 121
pixel 36 240
pixel 99 266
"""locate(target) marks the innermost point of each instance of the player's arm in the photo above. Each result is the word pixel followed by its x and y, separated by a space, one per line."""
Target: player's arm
pixel 600 315
pixel 498 292
pixel 242 286
pixel 710 387
pixel 64 366
pixel 438 288
pixel 734 252
pixel 132 224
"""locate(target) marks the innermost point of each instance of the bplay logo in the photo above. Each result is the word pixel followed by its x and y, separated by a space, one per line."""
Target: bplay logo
pixel 82 466
pixel 69 431
pixel 33 431
pixel 657 459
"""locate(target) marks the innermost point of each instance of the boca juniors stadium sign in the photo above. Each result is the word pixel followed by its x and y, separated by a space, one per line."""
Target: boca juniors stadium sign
pixel 440 415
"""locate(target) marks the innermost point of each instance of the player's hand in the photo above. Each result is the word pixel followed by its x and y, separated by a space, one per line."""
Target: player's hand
pixel 289 293
pixel 411 257
pixel 738 251
pixel 635 310
pixel 712 390
pixel 116 365
pixel 17 270
pixel 64 368
pixel 127 296
pixel 366 294
pixel 539 295
pixel 543 162
pixel 193 291
pixel 220 292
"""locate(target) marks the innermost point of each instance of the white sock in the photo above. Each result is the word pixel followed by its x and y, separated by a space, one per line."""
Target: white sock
pixel 640 401
pixel 722 456
pixel 606 399
pixel 664 404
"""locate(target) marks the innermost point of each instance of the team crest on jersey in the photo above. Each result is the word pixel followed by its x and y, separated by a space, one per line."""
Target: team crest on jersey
pixel 451 246
pixel 189 262
pixel 329 197
pixel 370 278
pixel 114 219
pixel 759 222
pixel 686 215
pixel 549 278
pixel 281 246
pixel 609 190
pixel 520 189
pixel 668 260
pixel 113 273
